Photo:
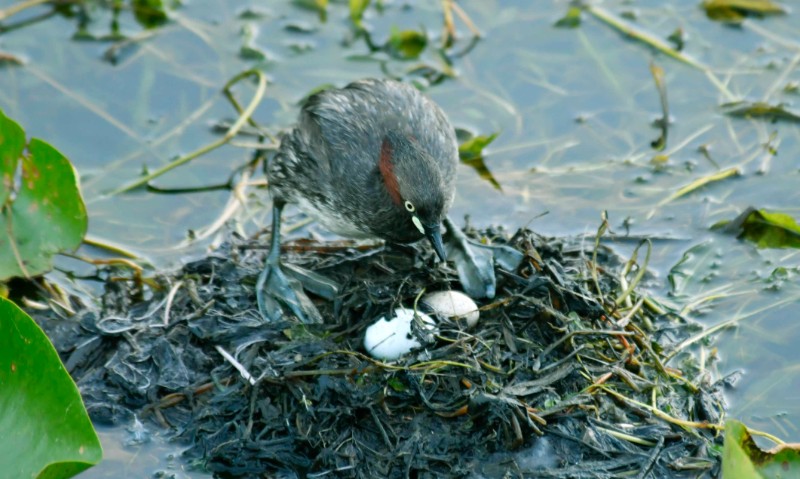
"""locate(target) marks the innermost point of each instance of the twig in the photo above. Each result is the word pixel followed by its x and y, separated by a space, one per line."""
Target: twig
pixel 600 231
pixel 237 365
pixel 15 9
pixel 637 33
pixel 170 297
pixel 662 415
pixel 640 274
pixel 243 118
pixel 465 18
pixel 103 244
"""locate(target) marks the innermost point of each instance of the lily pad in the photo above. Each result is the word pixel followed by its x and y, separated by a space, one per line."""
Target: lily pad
pixel 743 459
pixel 764 228
pixel 41 209
pixel 47 433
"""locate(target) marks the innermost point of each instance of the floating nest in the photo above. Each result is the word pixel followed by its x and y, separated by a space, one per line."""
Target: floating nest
pixel 566 374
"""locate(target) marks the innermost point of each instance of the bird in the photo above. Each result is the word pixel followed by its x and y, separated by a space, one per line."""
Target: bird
pixel 374 159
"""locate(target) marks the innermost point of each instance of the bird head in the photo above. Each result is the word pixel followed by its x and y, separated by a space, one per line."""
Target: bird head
pixel 415 183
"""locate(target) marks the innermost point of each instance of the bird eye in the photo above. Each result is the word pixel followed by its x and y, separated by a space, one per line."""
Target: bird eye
pixel 410 206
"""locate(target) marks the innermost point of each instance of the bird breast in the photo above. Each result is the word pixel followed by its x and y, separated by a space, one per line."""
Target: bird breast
pixel 331 219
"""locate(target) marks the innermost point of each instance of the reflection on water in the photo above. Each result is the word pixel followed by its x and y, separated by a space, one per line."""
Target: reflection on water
pixel 575 111
pixel 131 455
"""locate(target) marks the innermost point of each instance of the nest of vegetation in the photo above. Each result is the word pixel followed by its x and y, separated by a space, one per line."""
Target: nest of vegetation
pixel 564 376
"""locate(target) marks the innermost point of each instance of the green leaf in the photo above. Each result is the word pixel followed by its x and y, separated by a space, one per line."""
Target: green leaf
pixel 736 10
pixel 473 147
pixel 12 143
pixel 42 212
pixel 760 110
pixel 407 44
pixel 572 19
pixel 397 385
pixel 46 431
pixel 764 228
pixel 743 459
pixel 249 53
pixel 319 6
pixel 149 13
pixel 357 9
pixel 678 38
pixel 736 461
pixel 471 153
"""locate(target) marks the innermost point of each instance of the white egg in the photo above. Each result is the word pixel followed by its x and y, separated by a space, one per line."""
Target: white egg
pixel 449 305
pixel 389 340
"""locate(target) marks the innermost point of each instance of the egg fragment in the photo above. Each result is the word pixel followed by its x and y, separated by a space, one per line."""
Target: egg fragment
pixel 389 340
pixel 452 305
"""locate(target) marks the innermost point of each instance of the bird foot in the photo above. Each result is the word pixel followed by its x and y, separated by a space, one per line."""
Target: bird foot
pixel 278 294
pixel 475 262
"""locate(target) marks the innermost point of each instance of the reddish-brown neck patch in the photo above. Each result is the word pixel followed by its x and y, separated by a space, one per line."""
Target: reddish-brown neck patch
pixel 387 172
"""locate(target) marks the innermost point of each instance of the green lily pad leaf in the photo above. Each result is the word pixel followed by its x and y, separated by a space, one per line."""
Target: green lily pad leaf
pixel 12 143
pixel 357 9
pixel 41 209
pixel 765 229
pixel 471 153
pixel 735 11
pixel 47 433
pixel 407 44
pixel 760 110
pixel 743 459
pixel 572 19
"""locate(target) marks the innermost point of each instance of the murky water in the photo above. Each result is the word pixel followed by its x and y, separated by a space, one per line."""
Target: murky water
pixel 574 109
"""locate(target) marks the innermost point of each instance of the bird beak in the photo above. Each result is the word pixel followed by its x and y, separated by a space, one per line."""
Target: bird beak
pixel 434 235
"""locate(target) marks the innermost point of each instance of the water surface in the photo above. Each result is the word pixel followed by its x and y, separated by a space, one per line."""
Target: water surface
pixel 574 109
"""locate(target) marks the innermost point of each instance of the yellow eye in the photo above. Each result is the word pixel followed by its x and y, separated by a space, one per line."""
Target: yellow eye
pixel 409 206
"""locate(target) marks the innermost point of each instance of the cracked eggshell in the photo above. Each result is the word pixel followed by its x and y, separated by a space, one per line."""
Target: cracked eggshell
pixel 389 340
pixel 452 305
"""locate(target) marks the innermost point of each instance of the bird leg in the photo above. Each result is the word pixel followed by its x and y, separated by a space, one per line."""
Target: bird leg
pixel 274 290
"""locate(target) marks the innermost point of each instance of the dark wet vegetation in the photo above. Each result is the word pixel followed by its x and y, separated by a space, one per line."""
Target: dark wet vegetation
pixel 570 363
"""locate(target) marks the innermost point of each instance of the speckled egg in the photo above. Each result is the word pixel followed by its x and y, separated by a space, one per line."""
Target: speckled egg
pixel 452 305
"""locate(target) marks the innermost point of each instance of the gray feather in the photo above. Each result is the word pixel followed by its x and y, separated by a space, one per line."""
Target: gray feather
pixel 328 164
